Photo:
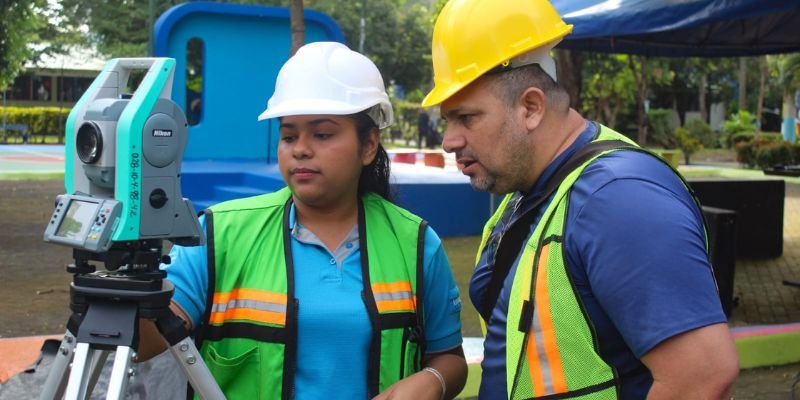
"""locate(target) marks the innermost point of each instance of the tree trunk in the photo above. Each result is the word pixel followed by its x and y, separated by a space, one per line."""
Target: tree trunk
pixel 297 25
pixel 789 110
pixel 569 65
pixel 701 97
pixel 640 77
pixel 742 83
pixel 762 61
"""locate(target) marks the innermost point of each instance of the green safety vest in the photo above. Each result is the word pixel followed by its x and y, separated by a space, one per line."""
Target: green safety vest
pixel 249 340
pixel 551 346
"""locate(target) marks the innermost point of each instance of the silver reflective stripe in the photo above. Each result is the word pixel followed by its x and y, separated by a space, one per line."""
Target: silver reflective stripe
pixel 547 376
pixel 392 296
pixel 245 303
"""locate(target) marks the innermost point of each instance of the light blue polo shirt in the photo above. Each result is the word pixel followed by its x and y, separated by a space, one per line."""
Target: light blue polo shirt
pixel 333 325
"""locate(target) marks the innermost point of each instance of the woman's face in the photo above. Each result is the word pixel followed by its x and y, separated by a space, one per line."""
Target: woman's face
pixel 320 158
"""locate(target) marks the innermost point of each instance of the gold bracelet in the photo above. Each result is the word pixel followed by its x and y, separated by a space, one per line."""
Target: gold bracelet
pixel 438 376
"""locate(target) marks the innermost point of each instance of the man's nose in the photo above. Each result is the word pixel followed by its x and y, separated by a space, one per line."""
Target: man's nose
pixel 452 140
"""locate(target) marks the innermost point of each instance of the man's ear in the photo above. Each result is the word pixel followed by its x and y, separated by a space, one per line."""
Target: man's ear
pixel 370 147
pixel 534 102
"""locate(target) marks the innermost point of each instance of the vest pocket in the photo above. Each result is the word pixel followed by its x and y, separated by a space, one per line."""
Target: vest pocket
pixel 236 375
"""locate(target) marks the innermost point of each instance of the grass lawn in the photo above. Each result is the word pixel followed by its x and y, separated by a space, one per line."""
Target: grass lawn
pixel 461 252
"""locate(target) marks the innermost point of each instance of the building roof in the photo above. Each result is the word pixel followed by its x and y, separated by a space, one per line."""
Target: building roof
pixel 78 59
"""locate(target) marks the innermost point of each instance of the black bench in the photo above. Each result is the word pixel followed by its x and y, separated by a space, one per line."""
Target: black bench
pixel 759 211
pixel 20 129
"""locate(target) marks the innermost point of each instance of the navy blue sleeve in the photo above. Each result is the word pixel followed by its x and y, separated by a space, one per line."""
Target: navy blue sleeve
pixel 638 237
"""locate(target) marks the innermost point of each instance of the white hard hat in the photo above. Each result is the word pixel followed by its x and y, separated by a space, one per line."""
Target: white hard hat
pixel 329 78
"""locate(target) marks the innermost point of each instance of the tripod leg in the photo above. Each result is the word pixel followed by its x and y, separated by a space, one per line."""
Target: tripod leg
pixel 56 380
pixel 118 383
pixel 78 379
pixel 95 369
pixel 196 371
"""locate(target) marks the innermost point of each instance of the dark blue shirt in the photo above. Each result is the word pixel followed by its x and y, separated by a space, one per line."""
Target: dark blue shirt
pixel 634 245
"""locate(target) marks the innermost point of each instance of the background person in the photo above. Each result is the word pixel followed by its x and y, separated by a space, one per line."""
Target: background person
pixel 324 289
pixel 610 293
pixel 423 127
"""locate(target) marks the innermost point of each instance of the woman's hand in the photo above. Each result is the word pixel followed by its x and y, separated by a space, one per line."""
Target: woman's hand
pixel 443 372
pixel 423 385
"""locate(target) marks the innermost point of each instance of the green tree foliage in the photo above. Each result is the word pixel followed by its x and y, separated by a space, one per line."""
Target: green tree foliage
pixel 397 31
pixel 397 35
pixel 788 67
pixel 19 22
pixel 609 87
pixel 30 29
pixel 118 28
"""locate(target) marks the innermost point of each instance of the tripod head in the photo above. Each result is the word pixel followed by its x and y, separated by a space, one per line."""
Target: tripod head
pixel 129 266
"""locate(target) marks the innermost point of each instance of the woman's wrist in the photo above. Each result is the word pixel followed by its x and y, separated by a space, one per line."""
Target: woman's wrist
pixel 440 378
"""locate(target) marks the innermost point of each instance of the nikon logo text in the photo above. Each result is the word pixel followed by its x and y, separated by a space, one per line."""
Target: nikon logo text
pixel 162 133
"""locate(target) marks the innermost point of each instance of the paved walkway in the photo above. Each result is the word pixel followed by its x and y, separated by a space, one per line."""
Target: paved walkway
pixel 26 158
pixel 758 284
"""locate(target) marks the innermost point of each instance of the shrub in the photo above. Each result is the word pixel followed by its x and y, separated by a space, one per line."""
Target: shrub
pixel 739 137
pixel 41 121
pixel 766 151
pixel 700 130
pixel 660 133
pixel 741 122
pixel 405 120
pixel 687 142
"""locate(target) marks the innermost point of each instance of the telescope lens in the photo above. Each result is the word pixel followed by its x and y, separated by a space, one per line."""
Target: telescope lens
pixel 89 143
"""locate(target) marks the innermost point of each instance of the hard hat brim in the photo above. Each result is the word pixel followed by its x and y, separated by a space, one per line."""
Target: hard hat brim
pixel 311 107
pixel 438 94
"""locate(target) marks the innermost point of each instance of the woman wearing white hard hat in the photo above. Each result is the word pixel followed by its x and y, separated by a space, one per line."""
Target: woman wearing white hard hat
pixel 324 289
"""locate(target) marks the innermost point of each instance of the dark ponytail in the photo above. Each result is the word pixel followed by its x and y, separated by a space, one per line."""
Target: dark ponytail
pixel 374 176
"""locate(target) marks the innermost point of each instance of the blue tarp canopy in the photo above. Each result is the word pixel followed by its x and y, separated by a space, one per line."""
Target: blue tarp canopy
pixel 679 28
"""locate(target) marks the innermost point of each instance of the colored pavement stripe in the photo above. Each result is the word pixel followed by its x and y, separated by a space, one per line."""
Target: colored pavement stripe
pixel 762 330
pixel 31 158
pixel 18 353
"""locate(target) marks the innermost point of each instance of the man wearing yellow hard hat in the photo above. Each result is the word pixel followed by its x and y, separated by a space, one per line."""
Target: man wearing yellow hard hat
pixel 592 277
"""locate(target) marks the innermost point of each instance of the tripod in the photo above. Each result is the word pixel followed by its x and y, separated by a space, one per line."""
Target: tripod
pixel 106 308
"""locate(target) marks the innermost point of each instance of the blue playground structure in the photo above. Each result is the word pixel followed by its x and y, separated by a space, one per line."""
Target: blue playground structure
pixel 230 154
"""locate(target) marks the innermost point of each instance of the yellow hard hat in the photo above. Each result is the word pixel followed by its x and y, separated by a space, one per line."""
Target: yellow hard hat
pixel 473 36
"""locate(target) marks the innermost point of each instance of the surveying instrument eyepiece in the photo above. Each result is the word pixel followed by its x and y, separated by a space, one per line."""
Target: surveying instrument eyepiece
pixel 123 199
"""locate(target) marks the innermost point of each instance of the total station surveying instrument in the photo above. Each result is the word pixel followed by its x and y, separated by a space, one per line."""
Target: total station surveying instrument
pixel 123 198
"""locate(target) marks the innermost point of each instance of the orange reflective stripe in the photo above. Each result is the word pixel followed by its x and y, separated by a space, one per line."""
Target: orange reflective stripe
pixel 402 286
pixel 248 314
pixel 394 296
pixel 252 294
pixel 547 330
pixel 534 367
pixel 249 304
pixel 396 305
